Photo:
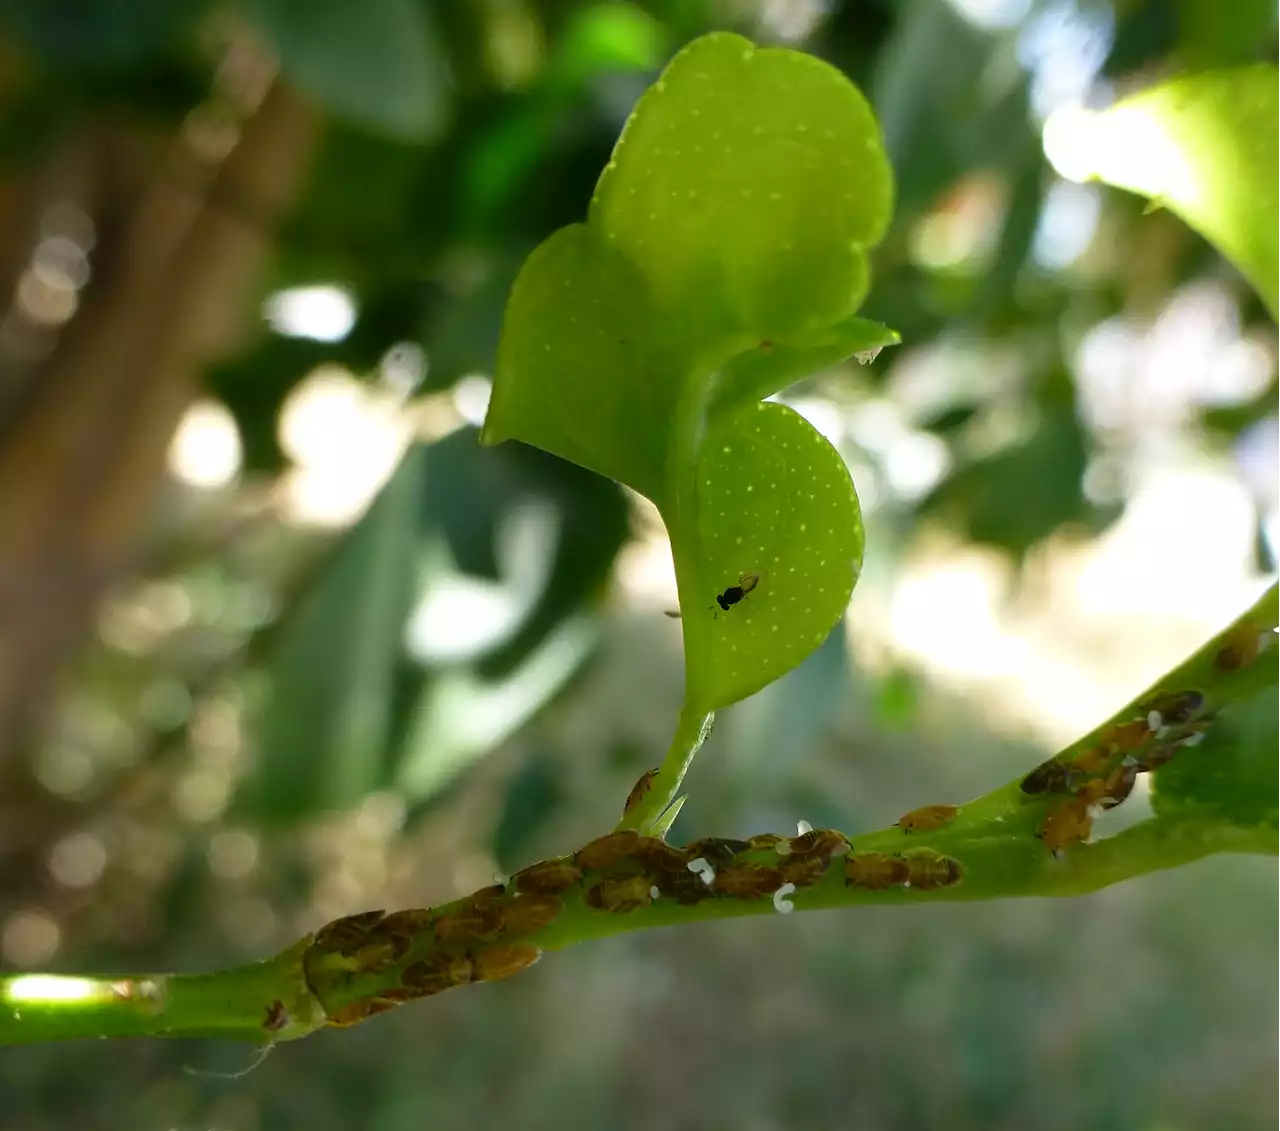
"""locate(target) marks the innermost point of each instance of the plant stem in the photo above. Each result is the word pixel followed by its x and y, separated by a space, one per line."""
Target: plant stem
pixel 691 732
pixel 260 1002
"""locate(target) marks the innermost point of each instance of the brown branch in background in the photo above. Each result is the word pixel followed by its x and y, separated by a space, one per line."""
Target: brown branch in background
pixel 80 467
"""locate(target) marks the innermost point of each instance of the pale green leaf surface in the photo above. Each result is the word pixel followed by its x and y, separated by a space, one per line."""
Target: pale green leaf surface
pixel 775 503
pixel 1205 147
pixel 747 186
pixel 577 369
pixel 769 368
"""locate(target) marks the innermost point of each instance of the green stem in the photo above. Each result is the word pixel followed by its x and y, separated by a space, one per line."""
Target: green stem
pixel 260 1002
pixel 691 733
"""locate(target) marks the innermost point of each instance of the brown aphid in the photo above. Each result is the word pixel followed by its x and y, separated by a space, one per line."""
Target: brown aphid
pixel 764 841
pixel 496 962
pixel 1112 790
pixel 1067 824
pixel 819 842
pixel 359 1011
pixel 348 931
pixel 639 791
pixel 684 887
pixel 1239 649
pixel 659 856
pixel 401 994
pixel 277 1017
pixel 716 850
pixel 377 955
pixel 927 818
pixel 1123 738
pixel 406 924
pixel 932 870
pixel 1173 709
pixel 620 893
pixel 468 923
pixel 548 877
pixel 1052 776
pixel 437 973
pixel 528 913
pixel 605 851
pixel 875 871
pixel 803 871
pixel 747 881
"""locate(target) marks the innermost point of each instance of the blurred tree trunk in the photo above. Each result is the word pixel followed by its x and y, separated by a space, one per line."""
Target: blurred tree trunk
pixel 84 439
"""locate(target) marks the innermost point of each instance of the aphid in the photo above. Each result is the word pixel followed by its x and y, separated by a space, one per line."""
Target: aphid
pixel 469 922
pixel 438 973
pixel 378 954
pixel 764 841
pixel 1067 824
pixel 781 903
pixel 639 790
pixel 528 913
pixel 1123 738
pixel 620 893
pixel 684 887
pixel 927 818
pixel 1110 791
pixel 607 850
pixel 1241 647
pixel 802 870
pixel 931 870
pixel 1173 709
pixel 548 877
pixel 735 593
pixel 659 856
pixel 717 850
pixel 747 881
pixel 496 962
pixel 404 924
pixel 876 871
pixel 277 1017
pixel 401 994
pixel 347 931
pixel 358 1011
pixel 1052 776
pixel 819 842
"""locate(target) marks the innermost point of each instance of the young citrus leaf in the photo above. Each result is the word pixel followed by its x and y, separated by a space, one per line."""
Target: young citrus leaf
pixel 1205 147
pixel 724 257
pixel 779 522
pixel 578 369
pixel 769 368
pixel 746 187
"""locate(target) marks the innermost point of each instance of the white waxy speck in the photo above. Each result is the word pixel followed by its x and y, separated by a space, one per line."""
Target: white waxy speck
pixel 1155 720
pixel 654 892
pixel 780 901
pixel 803 827
pixel 702 868
pixel 1192 739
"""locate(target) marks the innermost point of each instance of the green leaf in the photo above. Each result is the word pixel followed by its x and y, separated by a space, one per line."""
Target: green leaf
pixel 1205 147
pixel 776 505
pixel 324 732
pixel 576 371
pixel 747 186
pixel 724 257
pixel 373 63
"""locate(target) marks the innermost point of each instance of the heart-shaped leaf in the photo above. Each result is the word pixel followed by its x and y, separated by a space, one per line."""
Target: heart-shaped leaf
pixel 724 257
pixel 778 520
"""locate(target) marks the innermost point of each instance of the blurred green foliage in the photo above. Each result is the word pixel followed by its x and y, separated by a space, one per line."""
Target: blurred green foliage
pixel 457 138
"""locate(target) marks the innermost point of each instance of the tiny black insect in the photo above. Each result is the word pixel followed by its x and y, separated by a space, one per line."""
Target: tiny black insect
pixel 735 593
